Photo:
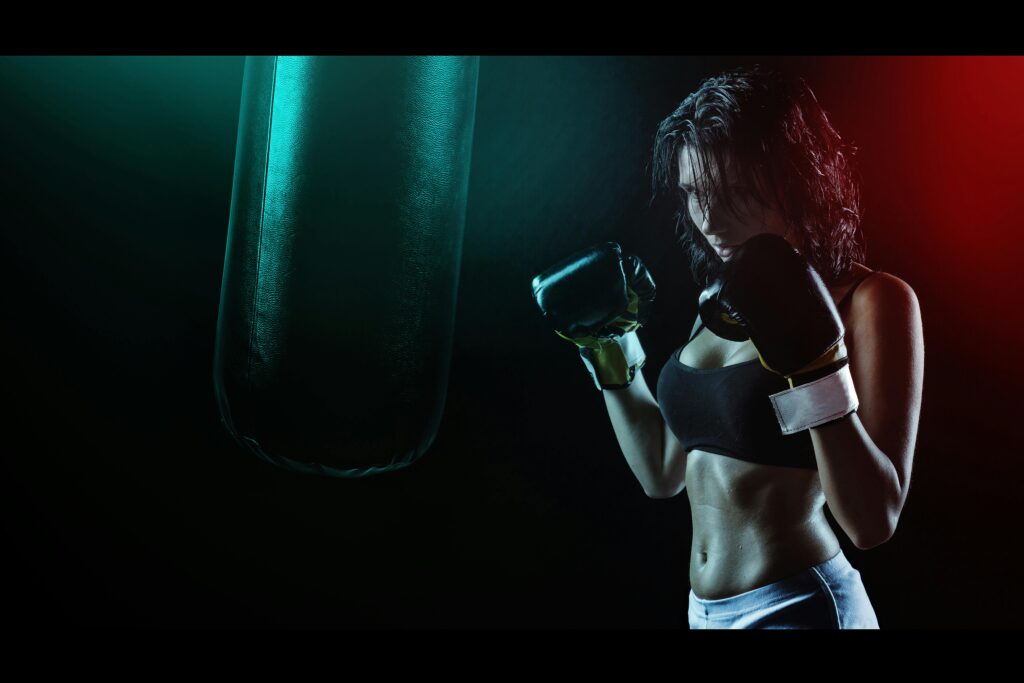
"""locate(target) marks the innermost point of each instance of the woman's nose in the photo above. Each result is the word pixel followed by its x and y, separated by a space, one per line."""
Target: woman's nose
pixel 713 219
pixel 711 222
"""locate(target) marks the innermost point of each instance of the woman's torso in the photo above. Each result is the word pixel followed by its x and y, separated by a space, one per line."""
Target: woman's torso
pixel 753 524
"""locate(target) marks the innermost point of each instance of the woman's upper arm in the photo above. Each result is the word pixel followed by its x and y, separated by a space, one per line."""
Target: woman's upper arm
pixel 887 366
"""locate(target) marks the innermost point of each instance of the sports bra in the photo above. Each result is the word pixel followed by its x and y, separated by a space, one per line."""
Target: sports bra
pixel 727 411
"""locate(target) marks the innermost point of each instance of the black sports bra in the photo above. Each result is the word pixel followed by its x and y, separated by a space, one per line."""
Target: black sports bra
pixel 727 411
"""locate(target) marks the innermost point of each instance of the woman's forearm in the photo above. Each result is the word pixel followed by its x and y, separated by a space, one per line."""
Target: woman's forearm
pixel 640 430
pixel 861 485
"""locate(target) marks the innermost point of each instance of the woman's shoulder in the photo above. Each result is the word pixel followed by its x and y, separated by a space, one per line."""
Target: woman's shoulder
pixel 866 282
pixel 880 291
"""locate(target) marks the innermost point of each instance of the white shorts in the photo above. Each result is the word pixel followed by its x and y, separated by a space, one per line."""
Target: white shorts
pixel 829 595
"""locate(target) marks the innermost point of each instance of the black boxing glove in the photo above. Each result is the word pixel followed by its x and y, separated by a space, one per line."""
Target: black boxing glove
pixel 597 299
pixel 768 293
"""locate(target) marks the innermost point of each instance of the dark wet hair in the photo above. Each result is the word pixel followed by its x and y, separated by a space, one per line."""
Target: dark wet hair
pixel 771 125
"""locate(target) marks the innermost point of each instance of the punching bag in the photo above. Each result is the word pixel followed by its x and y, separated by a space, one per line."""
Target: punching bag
pixel 341 268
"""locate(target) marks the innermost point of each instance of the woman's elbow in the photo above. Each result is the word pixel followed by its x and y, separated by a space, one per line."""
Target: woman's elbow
pixel 662 493
pixel 869 541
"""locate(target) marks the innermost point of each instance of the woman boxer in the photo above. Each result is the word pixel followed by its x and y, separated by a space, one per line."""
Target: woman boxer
pixel 805 386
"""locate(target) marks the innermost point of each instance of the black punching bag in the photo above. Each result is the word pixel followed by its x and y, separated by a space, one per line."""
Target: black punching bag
pixel 344 242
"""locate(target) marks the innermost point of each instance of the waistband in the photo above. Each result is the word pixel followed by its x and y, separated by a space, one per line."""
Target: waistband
pixel 831 570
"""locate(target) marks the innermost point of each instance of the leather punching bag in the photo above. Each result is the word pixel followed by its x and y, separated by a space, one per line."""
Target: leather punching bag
pixel 343 250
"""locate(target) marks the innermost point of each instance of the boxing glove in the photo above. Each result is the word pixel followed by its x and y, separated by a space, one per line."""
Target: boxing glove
pixel 598 298
pixel 768 293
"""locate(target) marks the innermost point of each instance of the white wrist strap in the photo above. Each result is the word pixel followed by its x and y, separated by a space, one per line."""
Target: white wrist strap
pixel 815 403
pixel 631 349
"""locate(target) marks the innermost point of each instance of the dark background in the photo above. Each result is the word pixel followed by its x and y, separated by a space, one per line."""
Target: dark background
pixel 127 504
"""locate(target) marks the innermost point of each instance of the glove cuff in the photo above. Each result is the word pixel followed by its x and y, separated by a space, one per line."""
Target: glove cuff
pixel 621 359
pixel 816 403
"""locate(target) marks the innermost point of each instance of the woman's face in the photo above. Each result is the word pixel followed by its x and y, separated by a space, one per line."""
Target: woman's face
pixel 721 227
